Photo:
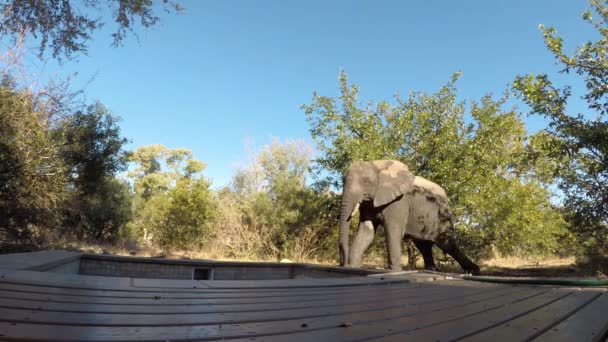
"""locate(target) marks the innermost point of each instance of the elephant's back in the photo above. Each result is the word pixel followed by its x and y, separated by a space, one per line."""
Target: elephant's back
pixel 429 210
pixel 428 188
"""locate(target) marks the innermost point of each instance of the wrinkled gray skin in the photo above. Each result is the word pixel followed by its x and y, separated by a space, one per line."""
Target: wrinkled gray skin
pixel 388 195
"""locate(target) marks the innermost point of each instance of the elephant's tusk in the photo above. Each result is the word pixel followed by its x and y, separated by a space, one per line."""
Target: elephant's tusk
pixel 354 211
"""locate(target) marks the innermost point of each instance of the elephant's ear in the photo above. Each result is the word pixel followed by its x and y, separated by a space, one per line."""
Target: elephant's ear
pixel 394 180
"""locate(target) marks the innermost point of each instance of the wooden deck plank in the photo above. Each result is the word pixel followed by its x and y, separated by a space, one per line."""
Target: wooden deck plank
pixel 588 324
pixel 239 330
pixel 37 299
pixel 161 300
pixel 87 296
pixel 532 324
pixel 51 306
pixel 437 301
pixel 128 288
pixel 129 292
pixel 295 283
pixel 203 300
pixel 198 293
pixel 373 292
pixel 371 326
pixel 122 283
pixel 66 280
pixel 229 284
pixel 474 322
pixel 168 298
pixel 134 293
pixel 34 259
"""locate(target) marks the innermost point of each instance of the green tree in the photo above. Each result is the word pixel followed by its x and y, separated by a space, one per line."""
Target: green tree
pixel 180 217
pixel 99 216
pixel 476 153
pixel 32 175
pixel 575 145
pixel 92 146
pixel 174 204
pixel 150 176
pixel 65 26
pixel 292 219
pixel 92 151
pixel 58 177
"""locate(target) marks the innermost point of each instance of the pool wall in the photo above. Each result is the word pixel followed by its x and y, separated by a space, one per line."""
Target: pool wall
pixel 156 268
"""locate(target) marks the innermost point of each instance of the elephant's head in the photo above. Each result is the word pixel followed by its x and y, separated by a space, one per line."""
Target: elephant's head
pixel 381 181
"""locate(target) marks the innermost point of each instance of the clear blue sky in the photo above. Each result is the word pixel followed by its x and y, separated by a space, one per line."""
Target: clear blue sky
pixel 226 72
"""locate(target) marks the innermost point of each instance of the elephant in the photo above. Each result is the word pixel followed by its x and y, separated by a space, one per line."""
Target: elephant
pixel 388 195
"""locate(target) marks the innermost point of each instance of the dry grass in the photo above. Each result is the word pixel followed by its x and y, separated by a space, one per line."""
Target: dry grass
pixel 531 267
pixel 530 262
pixel 497 266
pixel 147 251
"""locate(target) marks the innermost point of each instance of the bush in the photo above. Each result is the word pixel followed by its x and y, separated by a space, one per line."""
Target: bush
pixel 32 175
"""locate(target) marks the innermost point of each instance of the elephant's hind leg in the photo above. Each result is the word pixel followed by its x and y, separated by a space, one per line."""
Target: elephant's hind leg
pixel 426 249
pixel 363 238
pixel 446 243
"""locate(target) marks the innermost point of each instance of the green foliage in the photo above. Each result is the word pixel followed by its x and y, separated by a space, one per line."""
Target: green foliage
pixel 65 26
pixel 57 177
pixel 174 205
pixel 58 165
pixel 477 154
pixel 99 216
pixel 32 177
pixel 92 146
pixel 291 219
pixel 92 150
pixel 179 218
pixel 576 143
pixel 149 175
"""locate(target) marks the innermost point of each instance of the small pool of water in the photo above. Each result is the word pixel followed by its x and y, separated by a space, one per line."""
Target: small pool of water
pixel 137 267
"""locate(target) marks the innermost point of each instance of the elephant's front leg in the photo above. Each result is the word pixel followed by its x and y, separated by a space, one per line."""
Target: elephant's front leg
pixel 394 238
pixel 363 238
pixel 394 220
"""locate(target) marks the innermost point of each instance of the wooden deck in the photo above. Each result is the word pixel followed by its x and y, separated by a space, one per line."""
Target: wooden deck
pixel 46 306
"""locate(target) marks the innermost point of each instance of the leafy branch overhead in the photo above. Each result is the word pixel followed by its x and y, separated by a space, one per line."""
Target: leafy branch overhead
pixel 65 26
pixel 579 141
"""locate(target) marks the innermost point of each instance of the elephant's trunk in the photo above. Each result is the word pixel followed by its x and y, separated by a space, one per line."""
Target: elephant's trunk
pixel 349 203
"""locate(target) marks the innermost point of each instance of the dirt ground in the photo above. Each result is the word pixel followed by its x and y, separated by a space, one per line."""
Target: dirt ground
pixel 498 266
pixel 516 267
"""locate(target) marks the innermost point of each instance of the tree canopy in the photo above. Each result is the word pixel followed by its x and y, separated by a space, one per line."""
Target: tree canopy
pixel 476 152
pixel 56 176
pixel 64 27
pixel 577 143
pixel 276 202
pixel 174 206
pixel 32 174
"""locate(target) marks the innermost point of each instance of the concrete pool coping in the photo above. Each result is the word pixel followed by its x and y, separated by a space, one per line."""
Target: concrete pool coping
pixel 184 269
